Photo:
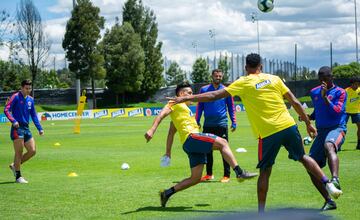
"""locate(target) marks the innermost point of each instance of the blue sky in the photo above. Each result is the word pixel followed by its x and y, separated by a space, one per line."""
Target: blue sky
pixel 310 24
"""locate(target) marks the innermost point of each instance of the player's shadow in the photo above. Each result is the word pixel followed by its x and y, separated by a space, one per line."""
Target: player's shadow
pixel 210 181
pixel 175 209
pixel 350 150
pixel 7 182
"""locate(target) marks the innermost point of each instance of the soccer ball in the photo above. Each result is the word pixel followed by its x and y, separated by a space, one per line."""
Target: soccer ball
pixel 265 5
pixel 307 140
pixel 125 166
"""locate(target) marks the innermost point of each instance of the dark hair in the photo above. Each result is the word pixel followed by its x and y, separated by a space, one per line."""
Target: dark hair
pixel 216 71
pixel 26 82
pixel 325 70
pixel 253 60
pixel 354 79
pixel 180 86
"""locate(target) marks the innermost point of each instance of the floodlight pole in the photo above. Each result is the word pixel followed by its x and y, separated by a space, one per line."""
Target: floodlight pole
pixel 254 18
pixel 195 45
pixel 212 34
pixel 77 84
pixel 356 34
pixel 295 69
pixel 331 55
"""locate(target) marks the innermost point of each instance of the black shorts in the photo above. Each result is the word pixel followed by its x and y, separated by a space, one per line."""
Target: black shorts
pixel 218 131
pixel 269 146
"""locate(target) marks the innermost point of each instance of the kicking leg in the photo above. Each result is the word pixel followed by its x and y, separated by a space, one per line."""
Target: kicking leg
pixel 313 168
pixel 222 145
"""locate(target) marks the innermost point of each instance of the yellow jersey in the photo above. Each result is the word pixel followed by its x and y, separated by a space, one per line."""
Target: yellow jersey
pixel 353 100
pixel 183 120
pixel 262 96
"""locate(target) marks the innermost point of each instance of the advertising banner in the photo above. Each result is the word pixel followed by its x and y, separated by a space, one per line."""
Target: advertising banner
pixel 63 115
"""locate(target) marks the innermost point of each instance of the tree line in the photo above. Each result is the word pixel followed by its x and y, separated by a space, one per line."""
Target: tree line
pixel 127 59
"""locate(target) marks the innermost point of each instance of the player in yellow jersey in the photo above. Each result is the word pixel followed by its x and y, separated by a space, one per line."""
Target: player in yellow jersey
pixel 195 144
pixel 353 105
pixel 263 97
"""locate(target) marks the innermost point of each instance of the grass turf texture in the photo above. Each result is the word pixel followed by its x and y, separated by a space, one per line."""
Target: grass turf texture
pixel 104 191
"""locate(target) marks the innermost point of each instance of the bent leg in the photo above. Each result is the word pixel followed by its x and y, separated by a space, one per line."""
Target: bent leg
pixel 320 187
pixel 192 180
pixel 31 150
pixel 222 145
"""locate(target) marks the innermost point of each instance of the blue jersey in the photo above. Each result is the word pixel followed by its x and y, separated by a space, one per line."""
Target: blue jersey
pixel 332 115
pixel 215 112
pixel 19 109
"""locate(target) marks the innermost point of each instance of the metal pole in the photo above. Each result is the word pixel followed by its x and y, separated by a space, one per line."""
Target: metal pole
pixel 77 84
pixel 258 35
pixel 195 45
pixel 331 56
pixel 356 34
pixel 212 34
pixel 255 18
pixel 295 69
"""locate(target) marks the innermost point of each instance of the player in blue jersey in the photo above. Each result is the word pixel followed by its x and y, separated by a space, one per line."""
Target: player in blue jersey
pixel 18 110
pixel 330 118
pixel 216 121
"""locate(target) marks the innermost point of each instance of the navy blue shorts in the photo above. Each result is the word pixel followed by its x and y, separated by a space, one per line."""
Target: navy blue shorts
pixel 355 118
pixel 269 146
pixel 330 135
pixel 22 132
pixel 197 145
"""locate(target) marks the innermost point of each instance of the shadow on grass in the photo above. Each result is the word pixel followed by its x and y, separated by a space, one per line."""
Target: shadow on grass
pixel 349 150
pixel 209 181
pixel 176 209
pixel 7 182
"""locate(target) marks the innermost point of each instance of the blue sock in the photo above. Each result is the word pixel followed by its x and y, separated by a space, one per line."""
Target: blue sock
pixel 324 179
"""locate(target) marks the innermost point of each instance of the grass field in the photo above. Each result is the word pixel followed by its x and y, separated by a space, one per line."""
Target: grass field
pixel 103 191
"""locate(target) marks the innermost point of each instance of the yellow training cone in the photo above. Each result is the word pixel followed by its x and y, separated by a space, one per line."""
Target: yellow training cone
pixel 57 144
pixel 72 174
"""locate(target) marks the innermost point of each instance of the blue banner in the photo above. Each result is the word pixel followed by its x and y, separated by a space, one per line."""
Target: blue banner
pixel 3 118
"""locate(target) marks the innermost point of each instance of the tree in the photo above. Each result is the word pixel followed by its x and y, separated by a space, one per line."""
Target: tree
pixel 200 72
pixel 124 60
pixel 80 42
pixel 50 79
pixel 4 24
pixel 66 76
pixel 224 66
pixel 347 71
pixel 11 74
pixel 143 20
pixel 174 75
pixel 31 36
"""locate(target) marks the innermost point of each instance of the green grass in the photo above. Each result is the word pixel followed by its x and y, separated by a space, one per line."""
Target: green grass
pixel 104 191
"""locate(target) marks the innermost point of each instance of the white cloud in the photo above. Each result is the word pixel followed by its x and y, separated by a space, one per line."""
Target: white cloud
pixel 310 24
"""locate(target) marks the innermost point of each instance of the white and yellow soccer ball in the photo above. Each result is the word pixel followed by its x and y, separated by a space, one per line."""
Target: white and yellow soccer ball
pixel 266 5
pixel 307 140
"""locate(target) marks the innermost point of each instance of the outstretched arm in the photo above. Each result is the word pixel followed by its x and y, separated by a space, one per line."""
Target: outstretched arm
pixel 164 112
pixel 170 139
pixel 301 112
pixel 203 97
